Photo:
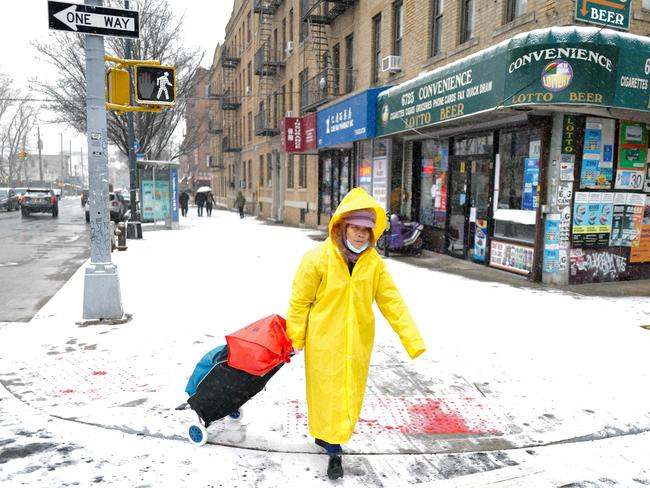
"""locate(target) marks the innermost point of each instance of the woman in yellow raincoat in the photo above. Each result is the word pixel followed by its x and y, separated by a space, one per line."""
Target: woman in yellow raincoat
pixel 331 317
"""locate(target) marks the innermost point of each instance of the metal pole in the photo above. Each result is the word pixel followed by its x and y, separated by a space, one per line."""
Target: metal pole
pixel 83 176
pixel 134 227
pixel 40 159
pixel 62 162
pixel 70 160
pixel 102 297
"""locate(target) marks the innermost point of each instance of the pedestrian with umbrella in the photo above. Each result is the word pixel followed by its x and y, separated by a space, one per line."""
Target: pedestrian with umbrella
pixel 200 199
pixel 331 317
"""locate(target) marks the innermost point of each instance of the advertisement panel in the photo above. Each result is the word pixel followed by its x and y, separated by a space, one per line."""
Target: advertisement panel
pixel 592 219
pixel 641 253
pixel 512 257
pixel 298 134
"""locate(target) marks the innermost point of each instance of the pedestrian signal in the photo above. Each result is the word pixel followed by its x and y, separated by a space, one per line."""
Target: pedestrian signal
pixel 155 85
pixel 117 86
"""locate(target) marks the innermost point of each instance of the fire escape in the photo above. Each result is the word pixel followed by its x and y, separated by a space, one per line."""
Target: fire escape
pixel 325 84
pixel 215 121
pixel 230 101
pixel 268 61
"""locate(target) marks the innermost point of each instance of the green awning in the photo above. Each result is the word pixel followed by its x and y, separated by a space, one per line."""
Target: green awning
pixel 559 65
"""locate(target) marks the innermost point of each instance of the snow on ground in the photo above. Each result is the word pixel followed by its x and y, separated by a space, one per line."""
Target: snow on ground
pixel 505 367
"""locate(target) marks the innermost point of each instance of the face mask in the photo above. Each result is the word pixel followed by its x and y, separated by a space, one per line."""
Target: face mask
pixel 356 250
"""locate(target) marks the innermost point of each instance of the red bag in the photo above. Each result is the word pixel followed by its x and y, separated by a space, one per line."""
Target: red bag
pixel 260 346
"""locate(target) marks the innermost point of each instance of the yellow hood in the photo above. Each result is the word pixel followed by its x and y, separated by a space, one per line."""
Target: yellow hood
pixel 358 199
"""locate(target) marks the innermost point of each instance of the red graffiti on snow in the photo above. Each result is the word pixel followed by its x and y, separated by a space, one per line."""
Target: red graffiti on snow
pixel 99 373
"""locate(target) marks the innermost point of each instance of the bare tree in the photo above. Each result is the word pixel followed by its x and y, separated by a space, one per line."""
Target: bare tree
pixel 18 117
pixel 159 40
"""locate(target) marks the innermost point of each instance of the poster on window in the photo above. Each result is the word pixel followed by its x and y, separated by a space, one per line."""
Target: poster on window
pixel 629 179
pixel 641 253
pixel 511 257
pixel 629 210
pixel 155 200
pixel 380 180
pixel 565 227
pixel 531 182
pixel 632 146
pixel 480 240
pixel 567 167
pixel 597 167
pixel 365 175
pixel 592 219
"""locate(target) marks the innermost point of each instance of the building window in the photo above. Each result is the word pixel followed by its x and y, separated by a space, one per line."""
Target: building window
pixel 290 99
pixel 336 64
pixel 304 27
pixel 466 20
pixel 515 8
pixel 283 101
pixel 250 173
pixel 269 170
pixel 398 27
pixel 349 66
pixel 208 161
pixel 302 79
pixel 436 26
pixel 248 27
pixel 283 54
pixel 376 47
pixel 290 171
pixel 291 25
pixel 250 126
pixel 243 183
pixel 302 172
pixel 261 170
pixel 249 75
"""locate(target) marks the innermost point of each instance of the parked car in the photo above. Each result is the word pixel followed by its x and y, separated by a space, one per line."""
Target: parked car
pixel 116 205
pixel 57 193
pixel 39 200
pixel 8 199
pixel 20 191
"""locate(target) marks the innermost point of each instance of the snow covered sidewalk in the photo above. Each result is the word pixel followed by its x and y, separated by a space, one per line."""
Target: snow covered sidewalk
pixel 507 369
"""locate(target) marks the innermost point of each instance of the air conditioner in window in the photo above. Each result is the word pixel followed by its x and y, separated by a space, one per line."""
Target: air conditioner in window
pixel 289 49
pixel 392 64
pixel 289 113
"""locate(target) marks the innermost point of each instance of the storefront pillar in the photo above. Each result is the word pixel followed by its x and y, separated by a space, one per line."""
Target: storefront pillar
pixel 555 270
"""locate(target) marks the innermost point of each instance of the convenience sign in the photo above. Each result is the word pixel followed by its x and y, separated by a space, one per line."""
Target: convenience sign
pixel 611 13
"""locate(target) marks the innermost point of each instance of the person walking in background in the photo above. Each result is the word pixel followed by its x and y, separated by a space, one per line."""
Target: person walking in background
pixel 209 203
pixel 199 200
pixel 184 200
pixel 240 201
pixel 330 316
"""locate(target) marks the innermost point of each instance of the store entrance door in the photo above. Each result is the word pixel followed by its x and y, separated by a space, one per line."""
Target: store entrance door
pixel 469 207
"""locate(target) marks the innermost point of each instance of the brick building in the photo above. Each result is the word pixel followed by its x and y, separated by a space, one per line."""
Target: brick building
pixel 195 167
pixel 492 122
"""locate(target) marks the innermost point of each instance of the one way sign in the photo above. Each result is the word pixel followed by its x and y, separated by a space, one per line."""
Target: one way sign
pixel 89 19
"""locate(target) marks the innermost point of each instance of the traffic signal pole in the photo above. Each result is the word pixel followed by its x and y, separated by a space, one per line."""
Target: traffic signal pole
pixel 102 296
pixel 134 226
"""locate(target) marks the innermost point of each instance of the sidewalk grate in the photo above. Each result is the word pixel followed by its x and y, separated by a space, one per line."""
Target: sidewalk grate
pixel 416 415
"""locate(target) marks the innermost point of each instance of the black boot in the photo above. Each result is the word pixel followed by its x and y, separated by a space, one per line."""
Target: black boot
pixel 334 468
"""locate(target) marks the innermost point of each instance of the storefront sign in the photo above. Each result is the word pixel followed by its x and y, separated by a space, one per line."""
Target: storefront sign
pixel 629 210
pixel 569 134
pixel 380 180
pixel 641 253
pixel 174 195
pixel 480 240
pixel 592 219
pixel 349 120
pixel 512 257
pixel 553 66
pixel 298 134
pixel 632 146
pixel 610 13
pixel 597 167
pixel 531 184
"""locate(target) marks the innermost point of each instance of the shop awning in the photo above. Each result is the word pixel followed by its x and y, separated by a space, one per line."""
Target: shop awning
pixel 583 66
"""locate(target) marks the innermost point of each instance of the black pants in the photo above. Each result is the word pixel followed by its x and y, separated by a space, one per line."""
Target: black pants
pixel 241 212
pixel 199 209
pixel 208 209
pixel 184 209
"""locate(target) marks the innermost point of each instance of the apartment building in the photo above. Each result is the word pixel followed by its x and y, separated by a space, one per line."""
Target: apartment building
pixel 196 165
pixel 498 124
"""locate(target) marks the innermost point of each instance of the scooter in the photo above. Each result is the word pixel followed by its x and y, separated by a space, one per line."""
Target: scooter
pixel 401 237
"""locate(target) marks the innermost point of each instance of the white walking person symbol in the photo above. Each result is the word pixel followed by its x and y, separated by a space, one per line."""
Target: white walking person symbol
pixel 163 82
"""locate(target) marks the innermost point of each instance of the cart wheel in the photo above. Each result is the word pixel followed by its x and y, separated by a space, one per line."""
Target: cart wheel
pixel 197 434
pixel 237 415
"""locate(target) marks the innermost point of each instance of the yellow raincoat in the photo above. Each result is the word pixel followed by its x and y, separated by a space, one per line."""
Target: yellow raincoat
pixel 331 316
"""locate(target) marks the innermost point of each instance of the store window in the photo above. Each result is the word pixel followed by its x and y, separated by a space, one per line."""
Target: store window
pixel 376 47
pixel 436 27
pixel 269 170
pixel 364 165
pixel 302 172
pixel 433 183
pixel 466 20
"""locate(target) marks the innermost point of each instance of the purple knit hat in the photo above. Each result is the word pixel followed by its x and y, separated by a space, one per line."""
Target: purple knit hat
pixel 363 218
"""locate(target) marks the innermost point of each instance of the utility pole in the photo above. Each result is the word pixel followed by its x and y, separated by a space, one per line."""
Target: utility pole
pixel 62 162
pixel 134 227
pixel 102 297
pixel 70 158
pixel 40 158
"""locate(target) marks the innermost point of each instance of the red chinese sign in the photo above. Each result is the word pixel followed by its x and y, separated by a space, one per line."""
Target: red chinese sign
pixel 298 134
